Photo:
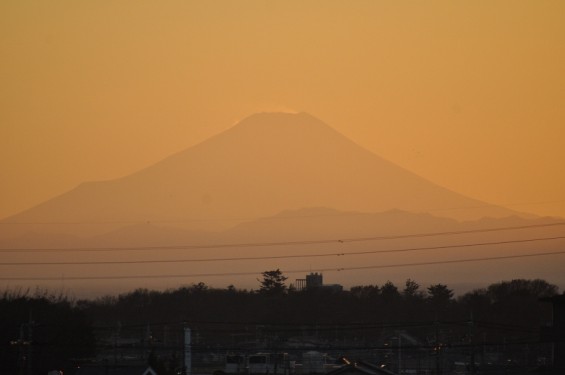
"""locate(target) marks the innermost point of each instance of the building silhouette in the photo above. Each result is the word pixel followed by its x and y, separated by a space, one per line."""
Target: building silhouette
pixel 315 281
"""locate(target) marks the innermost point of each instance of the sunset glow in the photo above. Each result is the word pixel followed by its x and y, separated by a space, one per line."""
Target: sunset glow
pixel 466 95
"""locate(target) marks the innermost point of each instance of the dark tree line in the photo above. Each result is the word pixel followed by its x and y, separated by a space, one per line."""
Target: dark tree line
pixel 224 319
pixel 40 332
pixel 231 318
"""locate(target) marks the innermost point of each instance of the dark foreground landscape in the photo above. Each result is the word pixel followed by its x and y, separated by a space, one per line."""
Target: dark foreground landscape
pixel 505 328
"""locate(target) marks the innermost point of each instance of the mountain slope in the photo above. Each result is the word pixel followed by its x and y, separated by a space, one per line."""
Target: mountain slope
pixel 265 164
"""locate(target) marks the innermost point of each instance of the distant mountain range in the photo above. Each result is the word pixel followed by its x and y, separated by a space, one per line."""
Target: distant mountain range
pixel 275 178
pixel 267 163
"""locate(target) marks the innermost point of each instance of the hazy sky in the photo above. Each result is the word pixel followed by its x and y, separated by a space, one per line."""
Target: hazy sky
pixel 469 94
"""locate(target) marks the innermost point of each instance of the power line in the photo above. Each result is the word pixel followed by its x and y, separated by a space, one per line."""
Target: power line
pixel 168 276
pixel 367 252
pixel 281 243
pixel 453 261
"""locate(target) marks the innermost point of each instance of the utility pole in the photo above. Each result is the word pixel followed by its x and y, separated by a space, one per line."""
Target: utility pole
pixel 29 347
pixel 25 366
pixel 117 341
pixel 438 349
pixel 187 351
pixel 483 354
pixel 399 353
pixel 21 356
pixel 472 344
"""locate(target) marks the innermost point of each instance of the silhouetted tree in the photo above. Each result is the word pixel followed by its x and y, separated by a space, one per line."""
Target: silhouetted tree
pixel 411 289
pixel 521 288
pixel 439 298
pixel 389 292
pixel 231 288
pixel 510 297
pixel 200 287
pixel 273 283
pixel 365 292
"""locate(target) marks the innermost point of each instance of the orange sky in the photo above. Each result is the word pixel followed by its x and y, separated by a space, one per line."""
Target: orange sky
pixel 468 94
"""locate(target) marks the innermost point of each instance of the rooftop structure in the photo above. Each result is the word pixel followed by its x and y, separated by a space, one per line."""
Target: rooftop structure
pixel 315 281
